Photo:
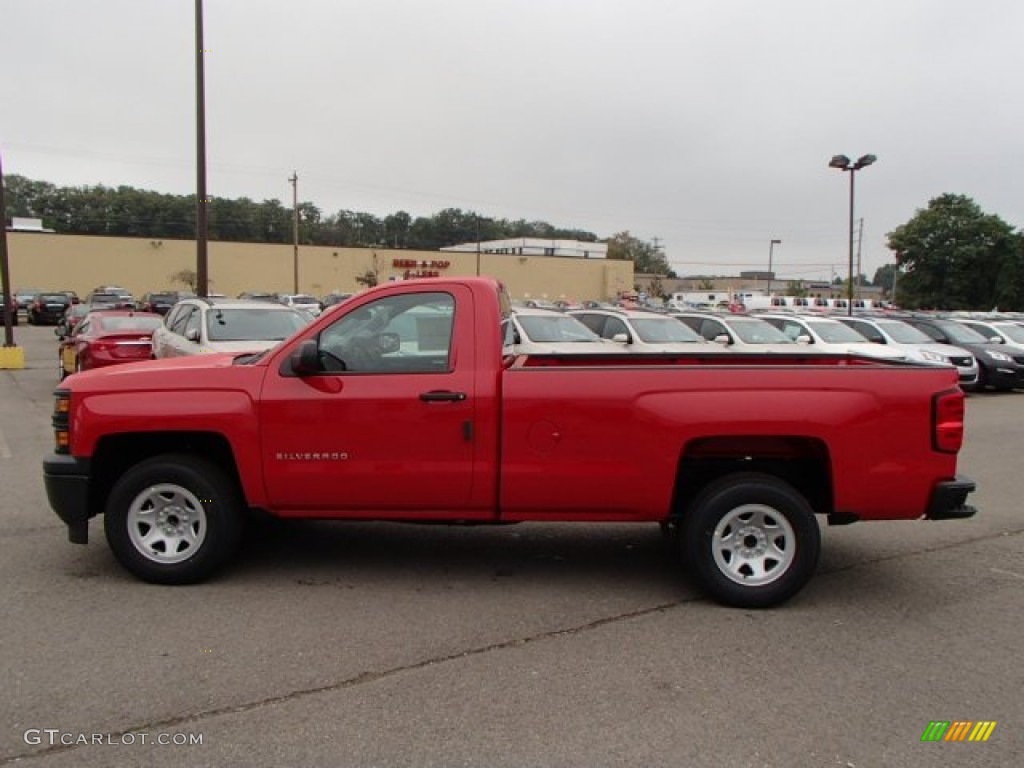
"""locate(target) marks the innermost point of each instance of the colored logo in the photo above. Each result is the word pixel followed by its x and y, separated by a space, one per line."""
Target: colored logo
pixel 958 730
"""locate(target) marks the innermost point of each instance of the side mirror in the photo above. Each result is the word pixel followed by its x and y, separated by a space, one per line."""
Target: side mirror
pixel 722 339
pixel 621 338
pixel 803 339
pixel 997 340
pixel 305 358
pixel 389 343
pixel 192 334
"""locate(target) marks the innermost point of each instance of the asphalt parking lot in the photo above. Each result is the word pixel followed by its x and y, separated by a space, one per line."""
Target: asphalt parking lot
pixel 352 644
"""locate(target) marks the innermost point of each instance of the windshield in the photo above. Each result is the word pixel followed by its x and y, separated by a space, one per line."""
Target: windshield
pixel 961 334
pixel 1011 331
pixel 754 331
pixel 128 323
pixel 553 328
pixel 256 324
pixel 835 332
pixel 664 330
pixel 903 333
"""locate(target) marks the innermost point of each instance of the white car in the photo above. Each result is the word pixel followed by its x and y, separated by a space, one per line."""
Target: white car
pixel 204 325
pixel 918 346
pixel 741 333
pixel 533 331
pixel 302 301
pixel 643 331
pixel 827 334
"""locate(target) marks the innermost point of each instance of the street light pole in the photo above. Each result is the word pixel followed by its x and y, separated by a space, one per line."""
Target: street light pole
pixel 771 246
pixel 842 163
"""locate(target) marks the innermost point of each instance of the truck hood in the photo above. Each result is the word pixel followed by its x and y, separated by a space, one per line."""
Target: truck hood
pixel 212 371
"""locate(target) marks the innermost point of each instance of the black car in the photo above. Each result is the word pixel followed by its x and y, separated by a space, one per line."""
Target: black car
pixel 48 308
pixel 997 368
pixel 162 301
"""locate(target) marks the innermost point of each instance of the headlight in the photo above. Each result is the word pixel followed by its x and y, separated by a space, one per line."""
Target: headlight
pixel 1002 357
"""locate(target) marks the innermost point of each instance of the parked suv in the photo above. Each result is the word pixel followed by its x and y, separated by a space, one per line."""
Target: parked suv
pixel 918 346
pixel 997 367
pixel 827 334
pixel 161 302
pixel 643 331
pixel 204 325
pixel 533 331
pixel 741 333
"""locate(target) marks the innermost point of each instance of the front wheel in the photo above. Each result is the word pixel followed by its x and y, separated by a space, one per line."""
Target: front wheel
pixel 752 540
pixel 173 519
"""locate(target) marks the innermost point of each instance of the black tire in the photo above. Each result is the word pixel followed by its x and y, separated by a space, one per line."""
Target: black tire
pixel 173 519
pixel 750 540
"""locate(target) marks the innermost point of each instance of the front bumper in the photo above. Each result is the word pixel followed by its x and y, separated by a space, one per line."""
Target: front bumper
pixel 67 489
pixel 948 497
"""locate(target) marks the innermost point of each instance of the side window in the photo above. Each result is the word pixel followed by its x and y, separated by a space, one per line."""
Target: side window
pixel 614 326
pixel 710 329
pixel 193 321
pixel 868 332
pixel 935 333
pixel 792 330
pixel 593 322
pixel 408 333
pixel 177 325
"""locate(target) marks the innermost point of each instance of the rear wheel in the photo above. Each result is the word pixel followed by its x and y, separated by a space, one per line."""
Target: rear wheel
pixel 173 519
pixel 751 540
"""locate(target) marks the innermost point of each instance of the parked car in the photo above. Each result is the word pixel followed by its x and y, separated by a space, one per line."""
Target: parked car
pixel 73 315
pixel 1008 332
pixel 997 367
pixel 302 301
pixel 48 308
pixel 260 296
pixel 740 333
pixel 640 330
pixel 107 337
pixel 110 300
pixel 534 331
pixel 333 299
pixel 204 325
pixel 918 346
pixel 826 334
pixel 161 302
pixel 24 297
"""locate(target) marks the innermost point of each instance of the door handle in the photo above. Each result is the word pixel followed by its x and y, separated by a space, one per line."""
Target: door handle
pixel 442 396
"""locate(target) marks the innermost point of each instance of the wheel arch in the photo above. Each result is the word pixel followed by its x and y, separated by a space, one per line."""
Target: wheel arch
pixel 802 462
pixel 116 454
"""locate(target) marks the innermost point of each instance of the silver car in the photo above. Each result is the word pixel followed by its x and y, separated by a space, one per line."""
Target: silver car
pixel 204 325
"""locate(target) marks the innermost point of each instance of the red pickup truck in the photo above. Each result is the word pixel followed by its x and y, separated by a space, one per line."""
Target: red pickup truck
pixel 403 404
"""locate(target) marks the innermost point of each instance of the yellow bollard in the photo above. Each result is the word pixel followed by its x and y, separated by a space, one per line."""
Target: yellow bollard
pixel 12 358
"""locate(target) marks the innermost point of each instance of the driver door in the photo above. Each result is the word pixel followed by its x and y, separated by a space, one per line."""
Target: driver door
pixel 386 429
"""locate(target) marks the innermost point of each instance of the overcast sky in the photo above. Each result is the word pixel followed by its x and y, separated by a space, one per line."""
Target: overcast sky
pixel 708 124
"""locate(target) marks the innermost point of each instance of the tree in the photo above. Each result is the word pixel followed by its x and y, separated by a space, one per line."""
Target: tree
pixel 955 256
pixel 646 257
pixel 884 277
pixel 186 277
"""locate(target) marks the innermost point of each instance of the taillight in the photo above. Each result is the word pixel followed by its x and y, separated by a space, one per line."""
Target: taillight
pixel 62 421
pixel 948 421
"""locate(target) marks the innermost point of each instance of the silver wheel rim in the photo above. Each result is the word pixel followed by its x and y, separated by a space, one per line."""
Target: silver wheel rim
pixel 166 523
pixel 754 545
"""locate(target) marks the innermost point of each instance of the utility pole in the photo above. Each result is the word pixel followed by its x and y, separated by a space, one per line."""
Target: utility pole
pixel 202 276
pixel 860 239
pixel 294 179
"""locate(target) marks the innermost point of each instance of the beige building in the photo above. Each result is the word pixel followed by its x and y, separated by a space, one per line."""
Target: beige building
pixel 80 263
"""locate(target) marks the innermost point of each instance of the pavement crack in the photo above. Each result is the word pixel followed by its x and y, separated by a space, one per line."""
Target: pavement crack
pixel 363 678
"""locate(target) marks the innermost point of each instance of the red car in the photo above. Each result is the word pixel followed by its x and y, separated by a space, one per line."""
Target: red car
pixel 106 338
